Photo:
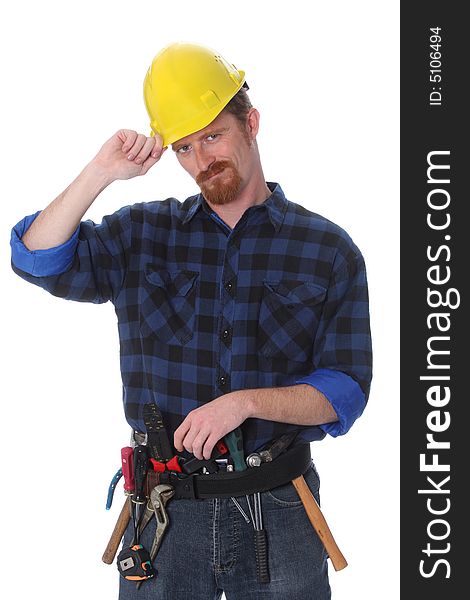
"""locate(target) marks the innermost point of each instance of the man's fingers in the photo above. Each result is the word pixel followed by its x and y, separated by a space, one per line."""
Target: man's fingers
pixel 130 137
pixel 188 441
pixel 198 443
pixel 158 149
pixel 201 430
pixel 180 434
pixel 211 441
pixel 190 437
pixel 137 146
pixel 145 151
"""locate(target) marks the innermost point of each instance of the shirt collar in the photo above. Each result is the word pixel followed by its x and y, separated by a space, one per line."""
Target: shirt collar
pixel 276 205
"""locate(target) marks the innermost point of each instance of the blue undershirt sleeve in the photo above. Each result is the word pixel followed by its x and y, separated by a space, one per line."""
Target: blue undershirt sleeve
pixel 345 395
pixel 41 263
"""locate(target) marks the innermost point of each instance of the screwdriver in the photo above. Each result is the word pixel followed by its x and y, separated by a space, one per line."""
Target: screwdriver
pixel 261 549
pixel 234 441
pixel 127 465
pixel 141 460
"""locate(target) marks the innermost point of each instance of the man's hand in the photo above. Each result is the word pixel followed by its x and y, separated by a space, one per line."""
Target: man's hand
pixel 205 426
pixel 128 154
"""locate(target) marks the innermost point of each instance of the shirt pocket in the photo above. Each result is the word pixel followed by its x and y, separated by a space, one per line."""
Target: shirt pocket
pixel 168 305
pixel 290 312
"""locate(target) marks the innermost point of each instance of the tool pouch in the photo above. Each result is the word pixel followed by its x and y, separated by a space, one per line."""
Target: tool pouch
pixel 152 480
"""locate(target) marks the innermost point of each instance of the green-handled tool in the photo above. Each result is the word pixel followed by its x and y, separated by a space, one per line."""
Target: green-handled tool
pixel 234 441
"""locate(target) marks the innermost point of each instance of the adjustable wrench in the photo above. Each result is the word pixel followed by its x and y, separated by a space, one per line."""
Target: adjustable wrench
pixel 146 517
pixel 159 496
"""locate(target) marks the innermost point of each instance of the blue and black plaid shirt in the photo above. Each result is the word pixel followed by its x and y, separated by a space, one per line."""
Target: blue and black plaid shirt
pixel 203 310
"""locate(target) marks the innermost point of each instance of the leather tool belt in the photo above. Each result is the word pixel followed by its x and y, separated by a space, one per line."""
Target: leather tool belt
pixel 225 484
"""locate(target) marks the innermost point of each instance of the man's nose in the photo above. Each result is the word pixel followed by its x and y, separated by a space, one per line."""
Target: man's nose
pixel 204 158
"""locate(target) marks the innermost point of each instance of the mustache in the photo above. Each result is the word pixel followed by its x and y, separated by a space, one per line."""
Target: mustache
pixel 214 169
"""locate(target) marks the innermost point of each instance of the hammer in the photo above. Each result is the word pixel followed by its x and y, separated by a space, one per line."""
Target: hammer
pixel 319 523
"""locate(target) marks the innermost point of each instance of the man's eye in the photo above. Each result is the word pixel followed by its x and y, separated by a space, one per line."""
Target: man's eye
pixel 212 137
pixel 183 149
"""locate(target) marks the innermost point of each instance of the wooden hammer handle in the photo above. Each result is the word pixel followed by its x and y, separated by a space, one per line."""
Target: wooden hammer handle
pixel 319 523
pixel 117 534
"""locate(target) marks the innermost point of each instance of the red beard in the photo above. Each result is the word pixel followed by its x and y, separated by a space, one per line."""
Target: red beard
pixel 223 188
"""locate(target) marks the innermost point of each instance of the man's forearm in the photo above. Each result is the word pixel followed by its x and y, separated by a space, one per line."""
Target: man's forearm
pixel 125 155
pixel 57 222
pixel 296 404
pixel 299 404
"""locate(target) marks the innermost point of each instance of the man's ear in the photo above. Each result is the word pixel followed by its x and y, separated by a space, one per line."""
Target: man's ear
pixel 252 123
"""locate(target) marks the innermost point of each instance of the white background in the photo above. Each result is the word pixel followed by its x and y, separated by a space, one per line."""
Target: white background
pixel 324 76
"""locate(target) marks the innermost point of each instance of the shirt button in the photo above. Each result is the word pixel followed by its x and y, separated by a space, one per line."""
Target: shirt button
pixel 225 334
pixel 222 381
pixel 229 286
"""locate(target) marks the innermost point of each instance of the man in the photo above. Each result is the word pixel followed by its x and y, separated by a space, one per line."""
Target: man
pixel 237 310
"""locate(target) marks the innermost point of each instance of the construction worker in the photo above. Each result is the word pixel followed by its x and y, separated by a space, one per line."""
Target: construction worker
pixel 237 308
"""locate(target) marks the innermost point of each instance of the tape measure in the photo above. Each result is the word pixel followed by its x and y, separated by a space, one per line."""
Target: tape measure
pixel 134 563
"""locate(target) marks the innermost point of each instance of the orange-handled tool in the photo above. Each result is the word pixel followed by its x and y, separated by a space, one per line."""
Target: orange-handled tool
pixel 319 523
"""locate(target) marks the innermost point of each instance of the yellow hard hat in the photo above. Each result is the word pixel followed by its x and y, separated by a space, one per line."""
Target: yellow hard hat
pixel 186 87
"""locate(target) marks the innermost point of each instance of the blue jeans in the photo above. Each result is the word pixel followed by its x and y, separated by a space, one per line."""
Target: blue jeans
pixel 208 549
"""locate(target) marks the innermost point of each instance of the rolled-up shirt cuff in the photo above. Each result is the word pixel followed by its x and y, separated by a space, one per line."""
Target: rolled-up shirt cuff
pixel 344 394
pixel 41 263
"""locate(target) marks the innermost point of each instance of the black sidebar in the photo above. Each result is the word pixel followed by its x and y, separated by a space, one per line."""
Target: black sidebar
pixel 435 318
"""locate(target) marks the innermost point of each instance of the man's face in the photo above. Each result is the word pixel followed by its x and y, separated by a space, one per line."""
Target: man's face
pixel 219 157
